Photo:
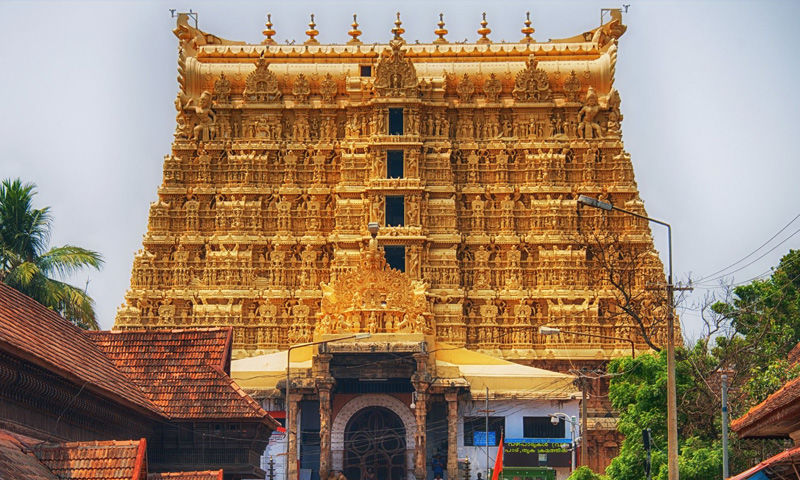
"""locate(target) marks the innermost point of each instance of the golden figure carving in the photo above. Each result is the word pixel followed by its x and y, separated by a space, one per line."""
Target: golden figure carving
pixel 261 86
pixel 395 75
pixel 532 84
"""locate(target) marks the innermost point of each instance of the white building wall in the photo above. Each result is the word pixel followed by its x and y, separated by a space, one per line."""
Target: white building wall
pixel 513 411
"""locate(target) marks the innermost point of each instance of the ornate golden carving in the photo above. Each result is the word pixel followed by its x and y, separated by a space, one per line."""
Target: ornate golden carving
pixel 374 298
pixel 301 89
pixel 395 75
pixel 261 85
pixel 328 89
pixel 572 87
pixel 222 89
pixel 465 89
pixel 532 84
pixel 492 88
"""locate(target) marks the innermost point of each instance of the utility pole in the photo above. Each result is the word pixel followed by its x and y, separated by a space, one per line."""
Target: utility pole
pixel 486 412
pixel 725 468
pixel 584 423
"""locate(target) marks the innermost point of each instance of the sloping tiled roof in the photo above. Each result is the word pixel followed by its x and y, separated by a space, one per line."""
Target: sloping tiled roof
pixel 109 460
pixel 781 465
pixel 17 462
pixel 794 354
pixel 37 334
pixel 788 395
pixel 204 475
pixel 182 371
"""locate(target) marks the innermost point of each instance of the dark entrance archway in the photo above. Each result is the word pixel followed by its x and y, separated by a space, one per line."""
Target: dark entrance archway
pixel 375 446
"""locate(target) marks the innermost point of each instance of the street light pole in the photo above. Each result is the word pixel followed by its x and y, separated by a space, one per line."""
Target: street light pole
pixel 672 417
pixel 573 423
pixel 289 383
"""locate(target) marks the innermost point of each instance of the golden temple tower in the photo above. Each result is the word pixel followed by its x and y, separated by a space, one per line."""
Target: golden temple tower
pixel 469 157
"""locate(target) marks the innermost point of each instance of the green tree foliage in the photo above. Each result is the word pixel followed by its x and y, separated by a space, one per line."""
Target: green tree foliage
pixel 639 392
pixel 27 264
pixel 748 338
pixel 585 473
pixel 765 315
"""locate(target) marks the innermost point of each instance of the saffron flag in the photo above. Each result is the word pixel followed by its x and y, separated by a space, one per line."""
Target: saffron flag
pixel 498 461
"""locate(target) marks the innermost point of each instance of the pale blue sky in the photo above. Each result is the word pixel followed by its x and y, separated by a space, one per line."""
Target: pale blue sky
pixel 709 93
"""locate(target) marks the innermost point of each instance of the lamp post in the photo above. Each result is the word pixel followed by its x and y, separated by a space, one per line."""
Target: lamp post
pixel 289 380
pixel 557 331
pixel 672 418
pixel 573 424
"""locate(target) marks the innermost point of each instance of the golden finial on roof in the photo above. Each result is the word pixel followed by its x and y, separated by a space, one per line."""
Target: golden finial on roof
pixel 528 30
pixel 312 32
pixel 268 32
pixel 441 31
pixel 398 30
pixel 354 32
pixel 483 31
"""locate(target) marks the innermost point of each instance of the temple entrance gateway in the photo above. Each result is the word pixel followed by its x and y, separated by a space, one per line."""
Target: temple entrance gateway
pixel 375 445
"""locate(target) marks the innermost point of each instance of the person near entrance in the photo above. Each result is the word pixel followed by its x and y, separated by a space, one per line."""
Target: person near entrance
pixel 438 467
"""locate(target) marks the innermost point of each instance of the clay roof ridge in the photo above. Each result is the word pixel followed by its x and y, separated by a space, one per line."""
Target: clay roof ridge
pixel 160 330
pixel 788 392
pixel 30 329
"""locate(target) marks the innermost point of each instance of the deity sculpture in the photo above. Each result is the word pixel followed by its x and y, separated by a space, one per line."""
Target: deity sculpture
pixel 587 126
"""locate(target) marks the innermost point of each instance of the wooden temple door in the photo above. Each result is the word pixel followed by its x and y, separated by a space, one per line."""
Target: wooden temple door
pixel 375 446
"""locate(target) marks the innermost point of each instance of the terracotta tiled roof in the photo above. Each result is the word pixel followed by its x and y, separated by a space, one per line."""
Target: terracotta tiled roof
pixel 781 464
pixel 109 460
pixel 37 334
pixel 788 395
pixel 17 462
pixel 204 475
pixel 794 354
pixel 182 371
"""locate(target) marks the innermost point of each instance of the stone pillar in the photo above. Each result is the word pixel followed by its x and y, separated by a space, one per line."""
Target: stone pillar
pixel 421 458
pixel 452 434
pixel 325 385
pixel 421 382
pixel 325 428
pixel 291 424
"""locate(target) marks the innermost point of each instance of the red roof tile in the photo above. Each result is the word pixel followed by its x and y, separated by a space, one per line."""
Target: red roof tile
pixel 204 475
pixel 108 460
pixel 788 395
pixel 794 354
pixel 182 371
pixel 37 334
pixel 16 461
pixel 784 460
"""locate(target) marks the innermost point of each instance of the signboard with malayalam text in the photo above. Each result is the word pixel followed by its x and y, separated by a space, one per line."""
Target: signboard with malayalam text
pixel 537 452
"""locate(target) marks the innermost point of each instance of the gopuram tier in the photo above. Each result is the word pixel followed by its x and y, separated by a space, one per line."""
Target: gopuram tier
pixel 469 157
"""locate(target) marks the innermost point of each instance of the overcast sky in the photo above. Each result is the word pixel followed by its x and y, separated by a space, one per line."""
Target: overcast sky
pixel 709 94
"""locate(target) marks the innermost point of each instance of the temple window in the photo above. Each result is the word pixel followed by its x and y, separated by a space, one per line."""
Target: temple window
pixel 366 70
pixel 395 121
pixel 395 256
pixel 475 431
pixel 395 211
pixel 542 427
pixel 394 164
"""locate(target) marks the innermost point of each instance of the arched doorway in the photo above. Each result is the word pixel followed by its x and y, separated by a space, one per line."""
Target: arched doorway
pixel 375 445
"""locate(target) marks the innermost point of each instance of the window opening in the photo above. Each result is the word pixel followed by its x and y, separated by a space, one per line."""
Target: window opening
pixel 542 427
pixel 395 121
pixel 394 164
pixel 366 70
pixel 395 211
pixel 475 431
pixel 396 256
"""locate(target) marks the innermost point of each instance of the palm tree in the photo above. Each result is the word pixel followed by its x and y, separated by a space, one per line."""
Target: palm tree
pixel 28 266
